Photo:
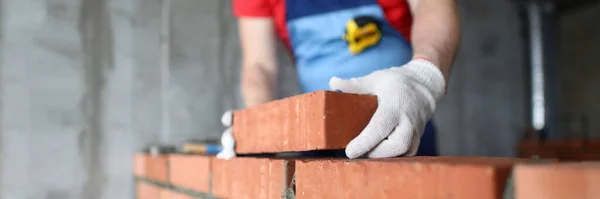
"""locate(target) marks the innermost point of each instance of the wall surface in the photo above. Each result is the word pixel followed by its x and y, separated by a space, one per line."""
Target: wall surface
pixel 578 69
pixel 484 111
pixel 86 83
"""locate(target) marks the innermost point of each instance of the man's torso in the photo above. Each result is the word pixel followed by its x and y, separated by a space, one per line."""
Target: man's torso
pixel 319 36
pixel 313 32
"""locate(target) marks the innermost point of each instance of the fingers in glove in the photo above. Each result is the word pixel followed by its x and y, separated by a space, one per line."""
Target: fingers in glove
pixel 346 85
pixel 227 118
pixel 228 143
pixel 398 142
pixel 414 146
pixel 381 125
pixel 227 139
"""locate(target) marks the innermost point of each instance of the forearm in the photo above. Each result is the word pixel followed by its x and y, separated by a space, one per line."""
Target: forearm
pixel 259 60
pixel 435 32
pixel 258 84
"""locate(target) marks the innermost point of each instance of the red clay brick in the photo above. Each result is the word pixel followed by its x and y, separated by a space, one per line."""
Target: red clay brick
pixel 529 144
pixel 567 150
pixel 410 177
pixel 529 148
pixel 582 156
pixel 557 181
pixel 147 191
pixel 151 167
pixel 564 145
pixel 251 177
pixel 554 145
pixel 592 145
pixel 318 120
pixel 190 172
pixel 169 194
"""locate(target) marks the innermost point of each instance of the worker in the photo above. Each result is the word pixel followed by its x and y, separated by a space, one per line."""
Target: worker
pixel 399 50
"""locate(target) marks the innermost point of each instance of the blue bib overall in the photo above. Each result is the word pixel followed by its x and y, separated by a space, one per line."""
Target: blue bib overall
pixel 316 29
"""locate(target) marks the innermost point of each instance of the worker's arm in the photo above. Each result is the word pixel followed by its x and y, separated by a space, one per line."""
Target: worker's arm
pixel 258 74
pixel 435 32
pixel 259 60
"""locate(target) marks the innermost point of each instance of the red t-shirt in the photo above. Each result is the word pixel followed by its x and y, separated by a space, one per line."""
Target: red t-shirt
pixel 397 13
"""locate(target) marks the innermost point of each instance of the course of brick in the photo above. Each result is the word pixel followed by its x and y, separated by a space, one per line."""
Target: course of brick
pixel 329 120
pixel 251 177
pixel 557 181
pixel 188 175
pixel 405 177
pixel 414 177
pixel 151 167
pixel 318 120
pixel 170 194
pixel 190 172
pixel 147 191
pixel 199 176
pixel 564 150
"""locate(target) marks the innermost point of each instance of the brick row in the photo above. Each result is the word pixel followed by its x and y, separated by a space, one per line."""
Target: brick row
pixel 413 177
pixel 557 181
pixel 145 190
pixel 151 167
pixel 190 172
pixel 251 177
pixel 564 150
pixel 169 194
pixel 236 178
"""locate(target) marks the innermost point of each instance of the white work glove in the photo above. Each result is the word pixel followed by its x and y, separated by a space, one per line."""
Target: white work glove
pixel 407 97
pixel 227 141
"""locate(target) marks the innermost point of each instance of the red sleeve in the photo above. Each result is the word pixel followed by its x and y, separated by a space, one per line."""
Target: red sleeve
pixel 251 8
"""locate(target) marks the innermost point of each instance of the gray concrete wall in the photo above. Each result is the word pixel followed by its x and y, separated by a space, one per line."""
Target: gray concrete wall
pixel 86 83
pixel 579 47
pixel 484 110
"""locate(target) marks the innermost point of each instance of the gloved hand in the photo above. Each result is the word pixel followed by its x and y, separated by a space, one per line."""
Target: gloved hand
pixel 227 140
pixel 407 97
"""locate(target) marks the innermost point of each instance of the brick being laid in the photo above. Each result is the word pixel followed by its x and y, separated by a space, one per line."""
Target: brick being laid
pixel 579 180
pixel 311 121
pixel 248 177
pixel 408 177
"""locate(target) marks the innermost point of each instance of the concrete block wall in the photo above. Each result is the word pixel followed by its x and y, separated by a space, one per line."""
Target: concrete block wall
pixel 67 95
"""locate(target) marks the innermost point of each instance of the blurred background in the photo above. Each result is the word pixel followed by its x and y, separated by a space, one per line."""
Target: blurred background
pixel 85 84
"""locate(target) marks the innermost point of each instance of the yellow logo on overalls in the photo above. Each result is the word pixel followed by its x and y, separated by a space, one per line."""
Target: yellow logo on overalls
pixel 361 33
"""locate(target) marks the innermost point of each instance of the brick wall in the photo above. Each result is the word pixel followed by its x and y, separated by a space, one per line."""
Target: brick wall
pixel 310 117
pixel 409 177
